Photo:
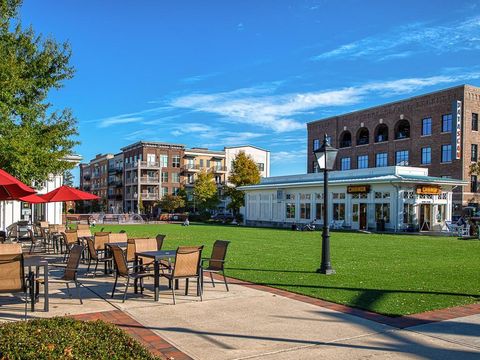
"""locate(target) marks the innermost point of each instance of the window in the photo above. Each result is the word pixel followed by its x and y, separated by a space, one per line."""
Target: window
pixel 447 123
pixel 175 190
pixel 218 179
pixel 315 167
pixel 446 153
pixel 190 178
pixel 316 144
pixel 305 211
pixel 408 214
pixel 290 209
pixel 402 130
pixel 401 158
pixel 345 163
pixel 345 139
pixel 426 156
pixel 475 121
pixel 474 152
pixel 381 133
pixel 329 140
pixel 176 161
pixel 362 136
pixel 473 184
pixel 340 196
pixel 381 160
pixel 163 160
pixel 176 177
pixel 164 191
pixel 319 210
pixel 362 162
pixel 338 211
pixel 382 212
pixel 164 176
pixel 201 163
pixel 426 126
pixel 261 166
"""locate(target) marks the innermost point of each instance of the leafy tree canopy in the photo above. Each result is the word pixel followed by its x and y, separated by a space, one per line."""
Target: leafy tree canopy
pixel 34 139
pixel 244 172
pixel 205 191
pixel 171 203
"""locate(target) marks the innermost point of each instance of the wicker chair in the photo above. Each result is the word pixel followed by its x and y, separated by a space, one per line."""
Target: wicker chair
pixel 187 266
pixel 216 261
pixel 117 237
pixel 123 270
pixel 70 239
pixel 34 240
pixel 94 256
pixel 12 272
pixel 12 232
pixel 70 272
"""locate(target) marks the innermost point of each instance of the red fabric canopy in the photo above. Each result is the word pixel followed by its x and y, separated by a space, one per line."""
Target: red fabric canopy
pixel 12 188
pixel 33 199
pixel 66 193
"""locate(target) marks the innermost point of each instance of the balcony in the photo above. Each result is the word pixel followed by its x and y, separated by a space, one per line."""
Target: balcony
pixel 219 169
pixel 133 180
pixel 192 168
pixel 87 177
pixel 147 196
pixel 149 180
pixel 115 170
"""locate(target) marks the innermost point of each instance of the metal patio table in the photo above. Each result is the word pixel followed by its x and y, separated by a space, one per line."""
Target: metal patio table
pixel 37 262
pixel 156 256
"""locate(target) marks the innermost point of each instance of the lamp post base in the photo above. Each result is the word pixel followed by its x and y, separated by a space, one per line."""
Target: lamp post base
pixel 325 271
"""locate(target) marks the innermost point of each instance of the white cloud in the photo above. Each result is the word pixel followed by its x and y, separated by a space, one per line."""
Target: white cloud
pixel 116 120
pixel 287 157
pixel 410 39
pixel 278 112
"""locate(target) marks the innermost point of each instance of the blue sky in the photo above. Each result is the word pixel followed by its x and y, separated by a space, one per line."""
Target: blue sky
pixel 215 73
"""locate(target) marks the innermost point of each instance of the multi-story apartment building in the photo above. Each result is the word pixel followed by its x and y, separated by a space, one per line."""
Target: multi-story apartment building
pixel 115 184
pixel 259 155
pixel 152 170
pixel 146 171
pixel 99 176
pixel 438 131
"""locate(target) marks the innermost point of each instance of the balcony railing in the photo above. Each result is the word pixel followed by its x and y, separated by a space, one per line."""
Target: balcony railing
pixel 192 167
pixel 149 180
pixel 147 196
pixel 218 169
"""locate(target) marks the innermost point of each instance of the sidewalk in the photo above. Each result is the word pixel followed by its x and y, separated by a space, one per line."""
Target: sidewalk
pixel 251 323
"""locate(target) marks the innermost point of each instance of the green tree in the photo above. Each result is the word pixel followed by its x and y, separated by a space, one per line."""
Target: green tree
pixel 205 191
pixel 244 172
pixel 34 139
pixel 68 178
pixel 171 203
pixel 141 208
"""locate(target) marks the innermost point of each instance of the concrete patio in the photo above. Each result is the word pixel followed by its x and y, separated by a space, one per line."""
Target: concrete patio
pixel 250 323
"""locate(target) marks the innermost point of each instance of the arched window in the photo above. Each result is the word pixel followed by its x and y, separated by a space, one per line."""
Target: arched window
pixel 381 133
pixel 345 139
pixel 402 129
pixel 362 136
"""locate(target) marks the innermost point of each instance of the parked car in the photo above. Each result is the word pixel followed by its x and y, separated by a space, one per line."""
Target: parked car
pixel 222 217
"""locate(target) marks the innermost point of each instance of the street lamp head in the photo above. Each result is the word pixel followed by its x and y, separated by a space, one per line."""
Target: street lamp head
pixel 326 155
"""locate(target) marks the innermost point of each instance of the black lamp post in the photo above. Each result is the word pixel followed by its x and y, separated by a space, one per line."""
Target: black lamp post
pixel 326 156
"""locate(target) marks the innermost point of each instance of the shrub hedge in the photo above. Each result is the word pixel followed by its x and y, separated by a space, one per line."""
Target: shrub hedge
pixel 66 338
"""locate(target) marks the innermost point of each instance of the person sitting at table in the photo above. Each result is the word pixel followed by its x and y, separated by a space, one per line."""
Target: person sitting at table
pixel 186 222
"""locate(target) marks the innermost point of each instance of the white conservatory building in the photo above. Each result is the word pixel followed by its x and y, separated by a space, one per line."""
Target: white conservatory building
pixel 395 198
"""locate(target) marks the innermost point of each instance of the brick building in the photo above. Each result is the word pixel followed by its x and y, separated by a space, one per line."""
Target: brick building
pixel 149 170
pixel 438 131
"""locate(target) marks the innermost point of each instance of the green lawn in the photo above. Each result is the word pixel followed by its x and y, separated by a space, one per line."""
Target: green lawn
pixel 388 274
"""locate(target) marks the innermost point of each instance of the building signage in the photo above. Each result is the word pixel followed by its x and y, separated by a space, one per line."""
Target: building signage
pixel 357 189
pixel 428 190
pixel 457 125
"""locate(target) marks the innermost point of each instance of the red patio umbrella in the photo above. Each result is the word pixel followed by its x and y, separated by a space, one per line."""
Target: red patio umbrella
pixel 67 193
pixel 12 188
pixel 33 199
